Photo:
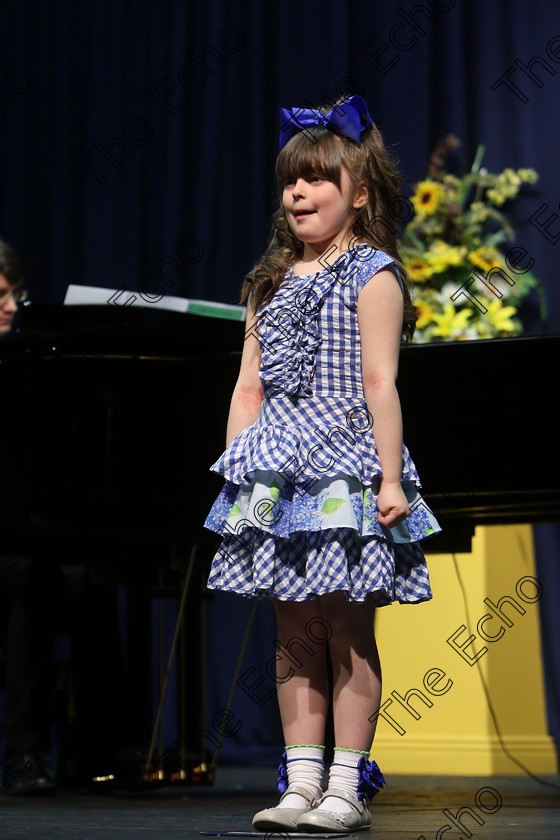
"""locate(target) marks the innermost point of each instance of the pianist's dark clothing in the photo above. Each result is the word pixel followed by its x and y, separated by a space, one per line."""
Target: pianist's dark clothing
pixel 38 598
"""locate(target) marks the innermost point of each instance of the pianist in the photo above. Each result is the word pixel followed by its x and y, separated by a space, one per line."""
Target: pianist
pixel 10 286
pixel 44 591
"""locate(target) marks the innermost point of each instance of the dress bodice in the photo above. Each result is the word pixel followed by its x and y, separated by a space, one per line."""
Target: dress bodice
pixel 308 332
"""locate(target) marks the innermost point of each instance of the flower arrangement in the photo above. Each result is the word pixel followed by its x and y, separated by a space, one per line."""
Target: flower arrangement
pixel 458 233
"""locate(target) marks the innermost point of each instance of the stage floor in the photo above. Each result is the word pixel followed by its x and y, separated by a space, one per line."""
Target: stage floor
pixel 409 808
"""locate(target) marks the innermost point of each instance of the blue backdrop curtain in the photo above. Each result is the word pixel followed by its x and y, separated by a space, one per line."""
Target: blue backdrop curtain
pixel 137 139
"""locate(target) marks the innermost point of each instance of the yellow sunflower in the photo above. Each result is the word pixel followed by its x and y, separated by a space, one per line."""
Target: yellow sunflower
pixel 442 256
pixel 486 258
pixel 427 198
pixel 418 269
pixel 425 313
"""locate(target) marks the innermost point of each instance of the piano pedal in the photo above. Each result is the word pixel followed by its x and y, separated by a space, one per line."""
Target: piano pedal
pixel 189 768
pixel 165 771
pixel 198 774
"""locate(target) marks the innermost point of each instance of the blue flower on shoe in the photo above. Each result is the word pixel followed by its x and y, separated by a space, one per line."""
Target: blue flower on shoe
pixel 370 779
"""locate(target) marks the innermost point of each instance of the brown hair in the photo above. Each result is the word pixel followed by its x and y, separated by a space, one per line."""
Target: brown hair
pixel 10 265
pixel 319 151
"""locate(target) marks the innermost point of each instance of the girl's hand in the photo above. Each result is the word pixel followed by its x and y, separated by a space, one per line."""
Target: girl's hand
pixel 392 504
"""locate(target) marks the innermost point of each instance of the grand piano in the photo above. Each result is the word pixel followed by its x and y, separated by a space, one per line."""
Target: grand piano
pixel 109 415
pixel 107 418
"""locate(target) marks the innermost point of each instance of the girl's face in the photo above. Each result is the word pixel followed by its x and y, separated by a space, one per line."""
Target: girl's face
pixel 318 212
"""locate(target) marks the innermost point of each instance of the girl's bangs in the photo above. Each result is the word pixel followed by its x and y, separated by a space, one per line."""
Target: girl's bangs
pixel 315 151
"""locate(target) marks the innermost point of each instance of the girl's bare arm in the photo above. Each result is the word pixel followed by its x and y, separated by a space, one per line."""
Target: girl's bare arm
pixel 248 393
pixel 380 314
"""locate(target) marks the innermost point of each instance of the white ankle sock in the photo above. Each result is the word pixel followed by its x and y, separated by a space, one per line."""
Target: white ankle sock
pixel 343 774
pixel 305 767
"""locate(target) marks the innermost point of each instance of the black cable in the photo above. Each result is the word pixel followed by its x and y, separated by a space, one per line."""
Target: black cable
pixel 487 695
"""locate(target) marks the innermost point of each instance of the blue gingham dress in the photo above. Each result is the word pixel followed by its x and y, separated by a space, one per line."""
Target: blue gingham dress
pixel 298 511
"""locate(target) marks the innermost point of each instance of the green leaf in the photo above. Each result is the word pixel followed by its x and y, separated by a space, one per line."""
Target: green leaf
pixel 542 299
pixel 331 505
pixel 495 239
pixel 501 219
pixel 478 158
pixel 274 492
pixel 234 511
pixel 268 506
pixel 417 242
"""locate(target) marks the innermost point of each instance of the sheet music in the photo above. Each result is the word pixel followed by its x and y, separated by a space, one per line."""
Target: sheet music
pixel 95 295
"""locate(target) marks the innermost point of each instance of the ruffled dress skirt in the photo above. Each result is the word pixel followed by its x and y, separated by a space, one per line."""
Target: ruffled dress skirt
pixel 298 511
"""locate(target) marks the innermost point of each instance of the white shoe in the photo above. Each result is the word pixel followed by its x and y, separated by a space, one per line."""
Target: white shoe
pixel 284 819
pixel 332 821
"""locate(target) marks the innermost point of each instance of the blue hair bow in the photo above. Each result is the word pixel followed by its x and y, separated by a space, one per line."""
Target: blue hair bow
pixel 345 118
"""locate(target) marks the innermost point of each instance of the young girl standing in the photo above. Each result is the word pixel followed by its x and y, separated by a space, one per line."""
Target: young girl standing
pixel 320 510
